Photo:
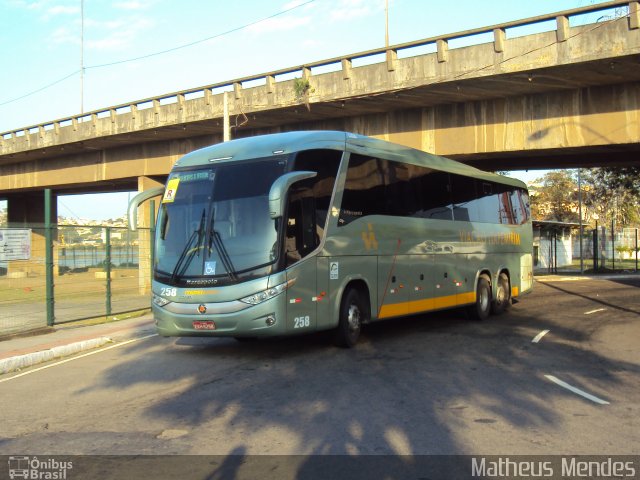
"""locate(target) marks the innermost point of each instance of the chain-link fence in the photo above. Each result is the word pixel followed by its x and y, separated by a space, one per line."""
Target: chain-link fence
pixel 614 250
pixel 600 250
pixel 93 271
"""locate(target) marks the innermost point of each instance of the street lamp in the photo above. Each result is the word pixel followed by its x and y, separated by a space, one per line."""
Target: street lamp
pixel 81 56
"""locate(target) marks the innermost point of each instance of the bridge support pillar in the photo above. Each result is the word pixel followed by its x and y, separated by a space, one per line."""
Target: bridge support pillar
pixel 144 237
pixel 27 210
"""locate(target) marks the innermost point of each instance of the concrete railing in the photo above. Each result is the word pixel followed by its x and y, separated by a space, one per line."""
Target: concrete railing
pixel 343 63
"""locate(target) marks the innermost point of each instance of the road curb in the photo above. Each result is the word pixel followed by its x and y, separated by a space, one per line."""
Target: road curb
pixel 18 362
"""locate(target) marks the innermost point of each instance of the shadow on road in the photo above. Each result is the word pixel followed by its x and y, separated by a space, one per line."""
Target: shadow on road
pixel 593 296
pixel 411 387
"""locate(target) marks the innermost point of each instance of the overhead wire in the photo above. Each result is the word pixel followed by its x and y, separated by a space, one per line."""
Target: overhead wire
pixel 162 52
pixel 196 42
pixel 40 89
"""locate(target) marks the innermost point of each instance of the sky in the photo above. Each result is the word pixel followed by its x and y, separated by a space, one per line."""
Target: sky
pixel 134 49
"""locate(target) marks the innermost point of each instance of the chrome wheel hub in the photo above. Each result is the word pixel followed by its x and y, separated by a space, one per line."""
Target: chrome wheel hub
pixel 354 318
pixel 484 299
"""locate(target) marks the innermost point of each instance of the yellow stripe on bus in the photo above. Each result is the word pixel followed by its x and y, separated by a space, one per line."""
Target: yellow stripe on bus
pixel 514 291
pixel 418 306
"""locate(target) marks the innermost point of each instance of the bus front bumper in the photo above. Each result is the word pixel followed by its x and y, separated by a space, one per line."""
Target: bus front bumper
pixel 262 320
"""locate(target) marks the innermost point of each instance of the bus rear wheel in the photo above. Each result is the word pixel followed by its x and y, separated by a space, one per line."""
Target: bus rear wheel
pixel 482 308
pixel 352 315
pixel 503 295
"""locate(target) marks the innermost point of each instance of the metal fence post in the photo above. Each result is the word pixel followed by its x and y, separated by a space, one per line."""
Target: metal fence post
pixel 48 241
pixel 613 246
pixel 107 267
pixel 596 252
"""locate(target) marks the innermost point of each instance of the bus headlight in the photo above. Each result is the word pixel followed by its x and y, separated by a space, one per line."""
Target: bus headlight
pixel 260 297
pixel 159 301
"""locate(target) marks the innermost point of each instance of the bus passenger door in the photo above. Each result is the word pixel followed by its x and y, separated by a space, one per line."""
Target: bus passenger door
pixel 301 240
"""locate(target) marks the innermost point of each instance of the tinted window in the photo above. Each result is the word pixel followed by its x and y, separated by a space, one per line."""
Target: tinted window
pixel 363 189
pixel 309 202
pixel 325 163
pixel 463 194
pixel 520 206
pixel 487 204
pixel 382 187
pixel 434 194
pixel 414 191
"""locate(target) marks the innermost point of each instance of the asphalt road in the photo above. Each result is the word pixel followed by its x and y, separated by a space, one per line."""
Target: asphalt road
pixel 434 384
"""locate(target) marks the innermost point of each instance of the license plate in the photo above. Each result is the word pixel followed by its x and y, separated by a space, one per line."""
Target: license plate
pixel 204 325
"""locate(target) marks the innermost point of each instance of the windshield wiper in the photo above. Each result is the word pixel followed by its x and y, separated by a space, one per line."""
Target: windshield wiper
pixel 187 254
pixel 216 241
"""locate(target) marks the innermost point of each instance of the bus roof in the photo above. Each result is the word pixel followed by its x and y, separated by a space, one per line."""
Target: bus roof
pixel 289 142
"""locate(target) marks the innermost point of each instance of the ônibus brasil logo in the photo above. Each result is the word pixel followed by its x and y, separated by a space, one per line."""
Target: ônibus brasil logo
pixel 35 469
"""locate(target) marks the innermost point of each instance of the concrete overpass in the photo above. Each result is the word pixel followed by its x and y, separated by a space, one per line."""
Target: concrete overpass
pixel 566 97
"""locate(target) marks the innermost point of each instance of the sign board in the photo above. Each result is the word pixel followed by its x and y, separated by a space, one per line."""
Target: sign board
pixel 15 244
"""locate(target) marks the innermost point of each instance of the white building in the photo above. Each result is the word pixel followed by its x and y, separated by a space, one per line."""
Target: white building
pixel 552 245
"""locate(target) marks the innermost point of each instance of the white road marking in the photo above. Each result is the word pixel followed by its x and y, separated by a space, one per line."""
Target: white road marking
pixel 93 352
pixel 582 393
pixel 595 311
pixel 538 337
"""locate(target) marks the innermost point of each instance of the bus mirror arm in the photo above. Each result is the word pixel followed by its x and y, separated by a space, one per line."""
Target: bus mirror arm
pixel 136 201
pixel 278 191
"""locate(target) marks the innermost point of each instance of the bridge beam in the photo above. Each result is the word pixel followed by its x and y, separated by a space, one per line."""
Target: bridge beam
pixel 27 209
pixel 601 123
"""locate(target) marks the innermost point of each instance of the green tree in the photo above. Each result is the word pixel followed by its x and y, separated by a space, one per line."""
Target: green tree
pixel 554 197
pixel 607 194
pixel 613 193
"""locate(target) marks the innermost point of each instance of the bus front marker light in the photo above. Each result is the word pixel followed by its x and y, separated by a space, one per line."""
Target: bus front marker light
pixel 267 294
pixel 270 321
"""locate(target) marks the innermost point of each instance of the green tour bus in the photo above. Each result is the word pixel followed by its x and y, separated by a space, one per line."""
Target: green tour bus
pixel 323 230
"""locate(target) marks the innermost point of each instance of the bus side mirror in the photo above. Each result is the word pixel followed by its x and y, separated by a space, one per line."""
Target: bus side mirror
pixel 278 191
pixel 134 203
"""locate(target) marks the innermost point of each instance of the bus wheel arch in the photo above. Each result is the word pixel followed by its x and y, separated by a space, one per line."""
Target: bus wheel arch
pixel 502 288
pixel 354 311
pixel 481 309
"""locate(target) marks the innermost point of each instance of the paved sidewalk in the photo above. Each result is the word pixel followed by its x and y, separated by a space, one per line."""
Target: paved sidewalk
pixel 64 340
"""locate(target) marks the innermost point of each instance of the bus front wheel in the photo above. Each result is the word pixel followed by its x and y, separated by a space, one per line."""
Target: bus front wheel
pixel 503 295
pixel 352 312
pixel 482 308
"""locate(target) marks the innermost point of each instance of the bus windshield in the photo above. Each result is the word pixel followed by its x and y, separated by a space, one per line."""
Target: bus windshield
pixel 214 225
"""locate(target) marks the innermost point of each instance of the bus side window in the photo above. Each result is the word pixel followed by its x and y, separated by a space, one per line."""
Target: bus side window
pixel 364 189
pixel 301 236
pixel 325 163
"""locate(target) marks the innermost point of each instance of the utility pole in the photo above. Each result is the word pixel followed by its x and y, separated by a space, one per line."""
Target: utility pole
pixel 580 217
pixel 81 56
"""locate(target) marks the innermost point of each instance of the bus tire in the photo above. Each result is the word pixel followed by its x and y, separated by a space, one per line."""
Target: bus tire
pixel 352 312
pixel 503 295
pixel 482 308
